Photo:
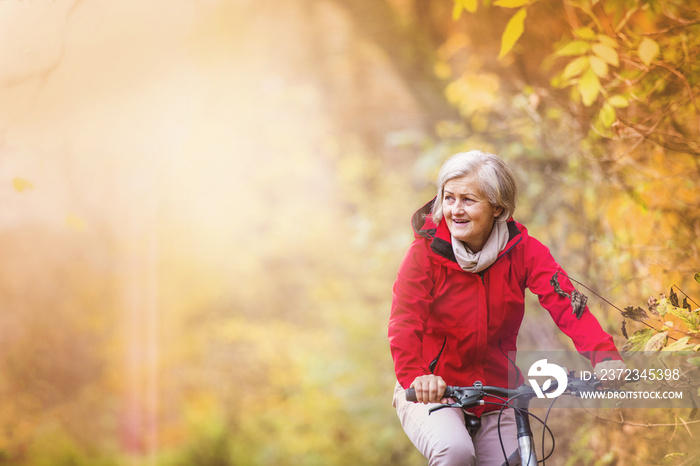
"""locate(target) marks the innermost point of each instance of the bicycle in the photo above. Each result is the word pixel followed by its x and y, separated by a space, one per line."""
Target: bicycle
pixel 517 398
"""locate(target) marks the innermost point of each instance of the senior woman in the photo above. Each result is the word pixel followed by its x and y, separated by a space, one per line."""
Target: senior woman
pixel 458 302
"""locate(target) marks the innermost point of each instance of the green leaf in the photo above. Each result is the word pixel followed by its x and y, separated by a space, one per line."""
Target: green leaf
pixel 575 68
pixel 697 277
pixel 607 53
pixel 618 101
pixel 589 87
pixel 511 3
pixel 638 340
pixel 607 115
pixel 600 68
pixel 575 47
pixel 694 361
pixel 514 29
pixel 688 317
pixel 648 50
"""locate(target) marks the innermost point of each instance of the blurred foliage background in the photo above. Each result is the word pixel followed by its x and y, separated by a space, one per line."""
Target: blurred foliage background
pixel 205 203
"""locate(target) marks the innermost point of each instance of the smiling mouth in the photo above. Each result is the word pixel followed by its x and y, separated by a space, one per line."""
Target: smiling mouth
pixel 460 222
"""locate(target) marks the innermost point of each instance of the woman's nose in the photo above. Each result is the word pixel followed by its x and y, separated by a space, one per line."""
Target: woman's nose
pixel 457 209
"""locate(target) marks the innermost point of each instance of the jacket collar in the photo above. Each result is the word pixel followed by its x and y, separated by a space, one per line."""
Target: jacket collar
pixel 441 239
pixel 422 222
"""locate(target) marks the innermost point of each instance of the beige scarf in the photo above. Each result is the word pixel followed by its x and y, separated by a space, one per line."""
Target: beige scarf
pixel 476 262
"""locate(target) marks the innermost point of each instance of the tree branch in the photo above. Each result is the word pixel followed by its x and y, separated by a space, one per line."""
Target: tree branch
pixel 637 424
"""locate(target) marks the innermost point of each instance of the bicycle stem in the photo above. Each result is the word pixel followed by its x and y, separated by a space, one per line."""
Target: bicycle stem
pixel 526 444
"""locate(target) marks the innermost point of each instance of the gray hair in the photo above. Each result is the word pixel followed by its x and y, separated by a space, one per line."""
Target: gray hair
pixel 495 180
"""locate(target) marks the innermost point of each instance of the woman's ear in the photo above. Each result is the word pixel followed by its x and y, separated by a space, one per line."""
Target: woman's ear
pixel 497 211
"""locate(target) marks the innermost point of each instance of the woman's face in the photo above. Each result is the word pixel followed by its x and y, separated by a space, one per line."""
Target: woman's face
pixel 468 213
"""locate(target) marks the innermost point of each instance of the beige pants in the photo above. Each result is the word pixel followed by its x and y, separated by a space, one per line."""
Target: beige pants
pixel 444 440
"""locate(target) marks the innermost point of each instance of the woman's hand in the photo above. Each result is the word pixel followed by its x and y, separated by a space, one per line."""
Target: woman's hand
pixel 429 389
pixel 610 373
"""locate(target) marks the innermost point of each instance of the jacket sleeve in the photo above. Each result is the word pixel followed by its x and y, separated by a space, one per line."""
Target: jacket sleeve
pixel 410 309
pixel 588 336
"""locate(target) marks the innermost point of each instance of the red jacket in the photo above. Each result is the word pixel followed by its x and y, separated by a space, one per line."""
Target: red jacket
pixel 462 325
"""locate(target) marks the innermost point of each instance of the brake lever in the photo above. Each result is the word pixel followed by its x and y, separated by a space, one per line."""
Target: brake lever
pixel 580 386
pixel 449 405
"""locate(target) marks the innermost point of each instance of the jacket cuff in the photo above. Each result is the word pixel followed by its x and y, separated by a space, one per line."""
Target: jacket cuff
pixel 407 379
pixel 600 356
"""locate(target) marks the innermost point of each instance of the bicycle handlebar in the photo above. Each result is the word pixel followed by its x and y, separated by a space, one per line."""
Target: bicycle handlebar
pixel 476 390
pixel 469 397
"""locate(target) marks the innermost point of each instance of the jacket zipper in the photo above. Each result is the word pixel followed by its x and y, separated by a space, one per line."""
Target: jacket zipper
pixel 434 362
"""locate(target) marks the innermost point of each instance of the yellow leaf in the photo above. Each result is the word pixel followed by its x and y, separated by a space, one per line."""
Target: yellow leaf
pixel 575 47
pixel 442 70
pixel 20 184
pixel 585 33
pixel 618 101
pixel 470 5
pixel 607 115
pixel 75 222
pixel 457 10
pixel 479 122
pixel 600 68
pixel 607 40
pixel 511 3
pixel 648 50
pixel 575 68
pixel 557 82
pixel 589 87
pixel 514 29
pixel 607 53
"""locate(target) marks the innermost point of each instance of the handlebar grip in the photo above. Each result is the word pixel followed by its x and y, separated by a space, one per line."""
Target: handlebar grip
pixel 411 394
